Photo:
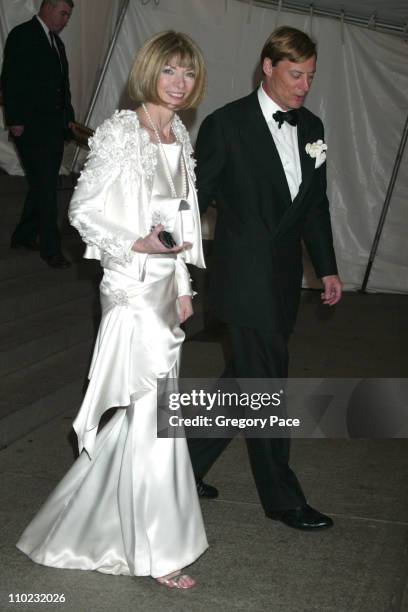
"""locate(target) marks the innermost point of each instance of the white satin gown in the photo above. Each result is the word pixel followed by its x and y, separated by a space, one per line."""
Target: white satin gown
pixel 132 507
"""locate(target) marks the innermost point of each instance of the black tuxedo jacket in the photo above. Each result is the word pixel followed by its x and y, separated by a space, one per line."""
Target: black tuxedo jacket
pixel 34 82
pixel 256 274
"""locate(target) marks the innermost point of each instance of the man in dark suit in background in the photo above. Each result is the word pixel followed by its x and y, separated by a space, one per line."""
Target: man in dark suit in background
pixel 38 113
pixel 261 158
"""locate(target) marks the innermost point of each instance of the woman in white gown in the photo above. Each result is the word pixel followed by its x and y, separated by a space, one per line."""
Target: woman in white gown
pixel 129 503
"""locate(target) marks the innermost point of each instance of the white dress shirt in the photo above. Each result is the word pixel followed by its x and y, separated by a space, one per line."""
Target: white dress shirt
pixel 286 142
pixel 46 30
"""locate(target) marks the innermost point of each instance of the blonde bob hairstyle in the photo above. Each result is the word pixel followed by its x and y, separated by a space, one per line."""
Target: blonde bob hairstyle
pixel 158 51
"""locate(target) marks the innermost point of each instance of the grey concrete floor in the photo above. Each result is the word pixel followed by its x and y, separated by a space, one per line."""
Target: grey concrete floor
pixel 361 565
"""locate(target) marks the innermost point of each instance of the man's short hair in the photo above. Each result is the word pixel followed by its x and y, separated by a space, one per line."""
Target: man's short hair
pixel 55 2
pixel 156 52
pixel 288 43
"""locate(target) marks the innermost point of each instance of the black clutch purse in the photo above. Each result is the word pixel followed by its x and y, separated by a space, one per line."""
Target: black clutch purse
pixel 166 239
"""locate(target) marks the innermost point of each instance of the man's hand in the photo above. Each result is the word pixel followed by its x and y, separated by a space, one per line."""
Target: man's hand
pixel 151 244
pixel 185 307
pixel 333 288
pixel 16 130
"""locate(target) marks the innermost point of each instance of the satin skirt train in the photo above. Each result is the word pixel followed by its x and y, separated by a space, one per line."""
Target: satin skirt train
pixel 128 505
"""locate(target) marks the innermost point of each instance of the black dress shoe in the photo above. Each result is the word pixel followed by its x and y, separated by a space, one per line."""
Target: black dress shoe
pixel 57 261
pixel 206 490
pixel 304 517
pixel 29 245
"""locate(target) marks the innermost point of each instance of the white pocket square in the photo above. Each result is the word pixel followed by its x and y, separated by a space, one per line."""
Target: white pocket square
pixel 320 159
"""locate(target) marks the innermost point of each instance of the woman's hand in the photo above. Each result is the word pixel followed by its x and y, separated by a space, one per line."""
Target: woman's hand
pixel 151 244
pixel 185 307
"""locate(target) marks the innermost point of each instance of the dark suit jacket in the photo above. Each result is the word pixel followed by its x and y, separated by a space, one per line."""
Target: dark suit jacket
pixel 35 84
pixel 257 271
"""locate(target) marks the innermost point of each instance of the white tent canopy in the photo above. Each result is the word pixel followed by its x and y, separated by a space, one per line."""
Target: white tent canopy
pixel 360 92
pixel 392 13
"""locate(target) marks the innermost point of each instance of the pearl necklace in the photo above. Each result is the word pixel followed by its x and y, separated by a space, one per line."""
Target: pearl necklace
pixel 170 181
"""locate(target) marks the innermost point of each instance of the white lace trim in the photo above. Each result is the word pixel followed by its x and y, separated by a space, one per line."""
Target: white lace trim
pixel 121 147
pixel 182 136
pixel 116 246
pixel 120 143
pixel 120 298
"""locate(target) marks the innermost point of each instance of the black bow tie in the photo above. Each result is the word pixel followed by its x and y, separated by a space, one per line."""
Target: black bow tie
pixel 291 117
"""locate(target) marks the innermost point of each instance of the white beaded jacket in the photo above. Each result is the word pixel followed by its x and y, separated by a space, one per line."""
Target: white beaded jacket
pixel 110 205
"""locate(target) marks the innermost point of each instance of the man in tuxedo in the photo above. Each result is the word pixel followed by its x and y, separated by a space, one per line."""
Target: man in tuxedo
pixel 270 193
pixel 38 113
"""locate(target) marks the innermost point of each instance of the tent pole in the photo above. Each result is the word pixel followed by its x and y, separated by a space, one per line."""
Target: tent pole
pixel 386 205
pixel 301 9
pixel 103 72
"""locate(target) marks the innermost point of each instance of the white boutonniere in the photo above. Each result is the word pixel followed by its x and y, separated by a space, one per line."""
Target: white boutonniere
pixel 317 150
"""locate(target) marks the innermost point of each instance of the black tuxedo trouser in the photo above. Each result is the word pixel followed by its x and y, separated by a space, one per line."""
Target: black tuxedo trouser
pixel 256 354
pixel 41 156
